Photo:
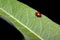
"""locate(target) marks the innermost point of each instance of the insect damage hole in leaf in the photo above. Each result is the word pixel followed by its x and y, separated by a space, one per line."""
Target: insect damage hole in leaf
pixel 8 31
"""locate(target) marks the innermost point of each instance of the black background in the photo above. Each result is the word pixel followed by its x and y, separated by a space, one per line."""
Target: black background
pixel 50 8
pixel 8 31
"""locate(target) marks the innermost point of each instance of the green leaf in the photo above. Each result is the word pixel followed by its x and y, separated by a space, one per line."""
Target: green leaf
pixel 24 19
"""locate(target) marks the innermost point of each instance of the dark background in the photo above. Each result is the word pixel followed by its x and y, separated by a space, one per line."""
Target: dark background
pixel 50 8
pixel 8 31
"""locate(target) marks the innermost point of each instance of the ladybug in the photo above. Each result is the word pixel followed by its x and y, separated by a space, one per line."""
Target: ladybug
pixel 38 14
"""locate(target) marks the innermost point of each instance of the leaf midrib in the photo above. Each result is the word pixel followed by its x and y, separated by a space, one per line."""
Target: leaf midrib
pixel 21 23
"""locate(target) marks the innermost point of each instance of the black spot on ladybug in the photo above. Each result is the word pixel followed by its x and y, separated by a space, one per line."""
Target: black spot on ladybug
pixel 38 14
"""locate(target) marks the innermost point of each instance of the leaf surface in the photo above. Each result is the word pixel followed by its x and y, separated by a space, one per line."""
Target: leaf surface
pixel 24 19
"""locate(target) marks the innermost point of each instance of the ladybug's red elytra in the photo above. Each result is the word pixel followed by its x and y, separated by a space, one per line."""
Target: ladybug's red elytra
pixel 38 14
